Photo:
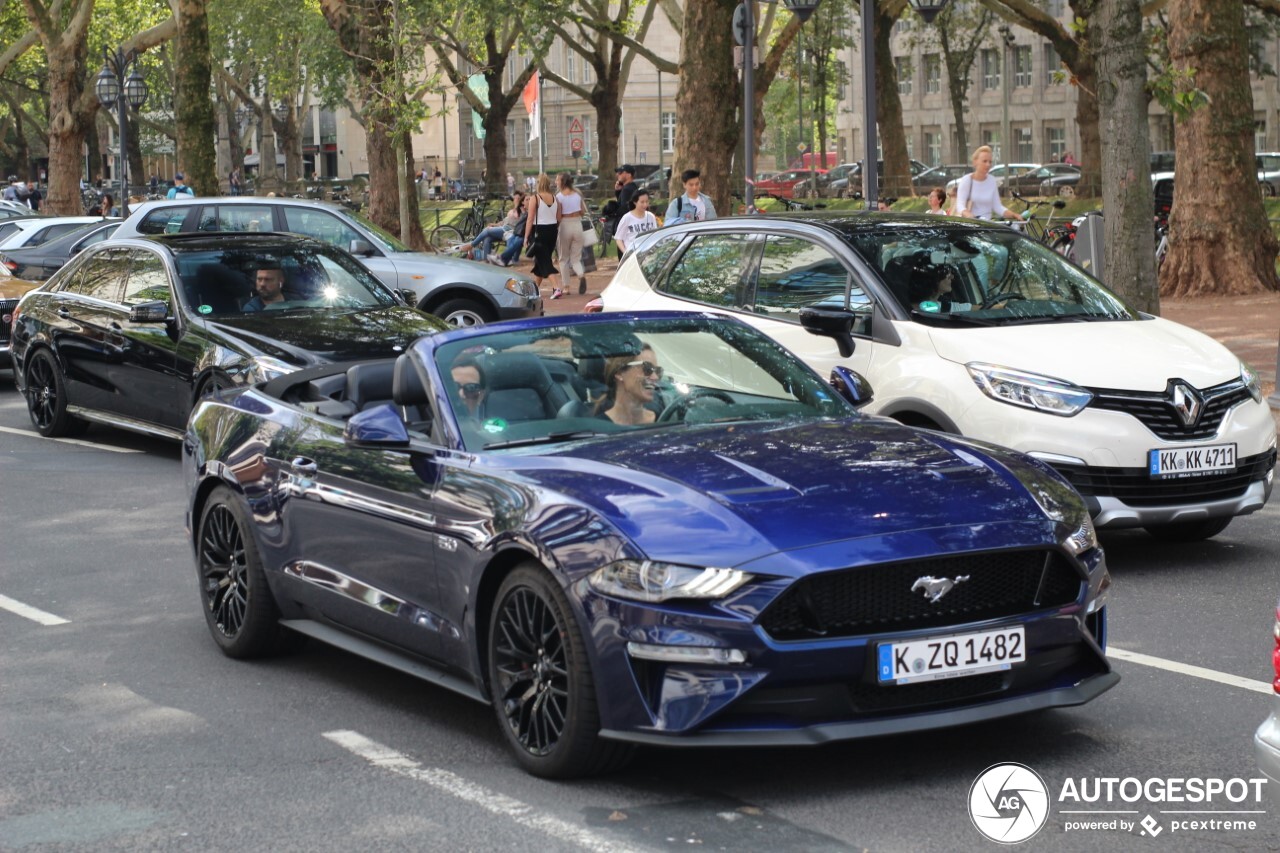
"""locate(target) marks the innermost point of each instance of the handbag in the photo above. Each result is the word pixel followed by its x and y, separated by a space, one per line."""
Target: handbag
pixel 589 236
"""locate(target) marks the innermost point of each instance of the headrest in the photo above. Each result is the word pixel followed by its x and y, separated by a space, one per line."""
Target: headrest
pixel 407 388
pixel 515 370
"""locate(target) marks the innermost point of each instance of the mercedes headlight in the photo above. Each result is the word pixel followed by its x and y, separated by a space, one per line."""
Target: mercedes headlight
pixel 1250 379
pixel 647 580
pixel 264 368
pixel 1029 390
pixel 522 287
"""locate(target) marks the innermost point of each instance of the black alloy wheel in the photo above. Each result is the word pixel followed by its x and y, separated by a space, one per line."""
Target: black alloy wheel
pixel 541 683
pixel 47 398
pixel 238 607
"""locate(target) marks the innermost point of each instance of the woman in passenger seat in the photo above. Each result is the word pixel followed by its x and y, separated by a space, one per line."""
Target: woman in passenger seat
pixel 632 382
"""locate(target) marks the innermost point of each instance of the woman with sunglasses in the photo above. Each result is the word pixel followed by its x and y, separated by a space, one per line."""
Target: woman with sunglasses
pixel 633 382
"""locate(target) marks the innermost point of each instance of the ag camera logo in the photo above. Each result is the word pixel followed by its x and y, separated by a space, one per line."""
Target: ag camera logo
pixel 1008 803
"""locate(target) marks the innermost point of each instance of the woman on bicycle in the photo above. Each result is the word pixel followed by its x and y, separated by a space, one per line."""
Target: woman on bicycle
pixel 542 228
pixel 570 243
pixel 978 194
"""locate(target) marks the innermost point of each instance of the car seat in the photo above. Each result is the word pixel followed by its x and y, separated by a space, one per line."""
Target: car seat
pixel 519 388
pixel 218 287
pixel 371 384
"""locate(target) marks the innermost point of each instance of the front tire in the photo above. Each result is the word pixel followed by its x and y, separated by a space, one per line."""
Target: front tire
pixel 238 608
pixel 47 398
pixel 462 313
pixel 1189 531
pixel 541 683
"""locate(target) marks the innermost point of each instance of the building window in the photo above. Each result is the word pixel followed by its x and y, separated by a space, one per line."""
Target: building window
pixel 587 139
pixel 990 135
pixel 511 135
pixel 932 73
pixel 933 147
pixel 1022 65
pixel 1052 65
pixel 586 71
pixel 1023 144
pixel 1055 142
pixel 570 63
pixel 668 132
pixel 1260 132
pixel 526 127
pixel 990 69
pixel 902 65
pixel 1057 8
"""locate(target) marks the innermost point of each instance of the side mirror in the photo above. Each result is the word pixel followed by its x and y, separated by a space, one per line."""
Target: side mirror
pixel 831 323
pixel 360 248
pixel 851 385
pixel 380 426
pixel 410 298
pixel 148 312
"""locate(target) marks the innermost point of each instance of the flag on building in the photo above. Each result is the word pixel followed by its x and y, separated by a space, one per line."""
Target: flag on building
pixel 533 106
pixel 480 86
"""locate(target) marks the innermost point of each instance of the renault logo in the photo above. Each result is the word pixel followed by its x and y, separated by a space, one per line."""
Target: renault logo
pixel 1187 403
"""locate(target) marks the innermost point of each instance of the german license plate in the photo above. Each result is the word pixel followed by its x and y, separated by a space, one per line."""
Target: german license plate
pixel 956 656
pixel 1167 464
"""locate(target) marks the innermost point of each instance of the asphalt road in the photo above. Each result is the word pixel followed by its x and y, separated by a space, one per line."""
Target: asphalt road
pixel 124 728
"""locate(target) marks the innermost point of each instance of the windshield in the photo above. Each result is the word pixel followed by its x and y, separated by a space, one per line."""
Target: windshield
pixel 990 277
pixel 386 242
pixel 275 278
pixel 561 383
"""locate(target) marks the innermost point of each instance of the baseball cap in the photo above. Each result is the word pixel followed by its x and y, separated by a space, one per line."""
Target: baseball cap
pixel 628 168
pixel 179 177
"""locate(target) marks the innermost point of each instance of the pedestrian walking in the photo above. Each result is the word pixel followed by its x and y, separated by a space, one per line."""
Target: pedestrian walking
pixel 570 242
pixel 233 180
pixel 437 184
pixel 692 206
pixel 627 187
pixel 542 229
pixel 180 188
pixel 634 223
pixel 978 194
pixel 511 183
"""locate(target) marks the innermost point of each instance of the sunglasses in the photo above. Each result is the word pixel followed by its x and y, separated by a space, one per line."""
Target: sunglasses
pixel 649 369
pixel 471 389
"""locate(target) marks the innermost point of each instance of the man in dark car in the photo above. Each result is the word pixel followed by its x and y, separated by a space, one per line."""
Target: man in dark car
pixel 269 284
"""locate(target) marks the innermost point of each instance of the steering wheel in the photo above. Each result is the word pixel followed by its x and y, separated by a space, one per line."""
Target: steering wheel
pixel 677 409
pixel 993 298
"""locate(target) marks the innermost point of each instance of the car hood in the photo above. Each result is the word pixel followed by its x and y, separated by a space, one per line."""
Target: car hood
pixel 443 266
pixel 320 336
pixel 12 288
pixel 722 495
pixel 1131 355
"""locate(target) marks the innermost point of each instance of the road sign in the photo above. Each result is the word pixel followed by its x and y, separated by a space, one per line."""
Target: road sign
pixel 575 126
pixel 575 144
pixel 576 153
pixel 740 24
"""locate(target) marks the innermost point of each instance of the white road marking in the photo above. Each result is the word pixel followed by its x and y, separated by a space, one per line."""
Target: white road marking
pixel 33 613
pixel 451 783
pixel 76 441
pixel 1188 669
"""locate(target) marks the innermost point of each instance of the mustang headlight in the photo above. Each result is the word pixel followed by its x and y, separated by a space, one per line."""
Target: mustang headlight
pixel 1029 390
pixel 1250 380
pixel 1060 502
pixel 264 368
pixel 646 580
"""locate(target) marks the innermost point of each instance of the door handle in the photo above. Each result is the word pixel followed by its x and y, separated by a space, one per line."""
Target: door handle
pixel 64 313
pixel 303 466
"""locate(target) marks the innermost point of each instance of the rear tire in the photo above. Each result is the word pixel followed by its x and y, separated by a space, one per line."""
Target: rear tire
pixel 47 398
pixel 1067 191
pixel 1189 531
pixel 463 313
pixel 541 684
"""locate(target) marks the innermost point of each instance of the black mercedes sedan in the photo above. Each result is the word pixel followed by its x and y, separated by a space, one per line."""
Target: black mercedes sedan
pixel 131 333
pixel 37 263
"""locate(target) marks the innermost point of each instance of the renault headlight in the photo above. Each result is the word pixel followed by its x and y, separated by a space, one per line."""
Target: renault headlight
pixel 264 368
pixel 1250 379
pixel 1029 390
pixel 648 580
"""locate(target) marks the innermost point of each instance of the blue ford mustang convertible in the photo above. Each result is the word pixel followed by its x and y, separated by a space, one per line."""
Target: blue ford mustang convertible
pixel 643 529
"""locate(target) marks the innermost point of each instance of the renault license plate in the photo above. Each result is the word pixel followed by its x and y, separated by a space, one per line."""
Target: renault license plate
pixel 955 656
pixel 1172 463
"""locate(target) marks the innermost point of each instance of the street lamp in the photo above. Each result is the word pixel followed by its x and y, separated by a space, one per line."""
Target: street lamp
pixel 745 19
pixel 1006 36
pixel 113 88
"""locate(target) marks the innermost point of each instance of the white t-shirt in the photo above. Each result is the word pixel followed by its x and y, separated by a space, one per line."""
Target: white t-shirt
pixel 631 226
pixel 980 198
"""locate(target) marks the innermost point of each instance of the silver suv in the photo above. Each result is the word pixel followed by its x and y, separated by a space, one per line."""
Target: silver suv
pixel 462 293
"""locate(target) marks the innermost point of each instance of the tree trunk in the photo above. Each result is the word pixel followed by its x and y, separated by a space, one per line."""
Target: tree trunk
pixel 193 102
pixel 384 192
pixel 268 173
pixel 495 140
pixel 226 123
pixel 1120 55
pixel 707 98
pixel 289 135
pixel 606 98
pixel 1219 239
pixel 1087 119
pixel 416 239
pixel 67 125
pixel 896 179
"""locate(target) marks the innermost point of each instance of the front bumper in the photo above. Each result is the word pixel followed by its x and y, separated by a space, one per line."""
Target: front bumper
pixel 531 307
pixel 1266 748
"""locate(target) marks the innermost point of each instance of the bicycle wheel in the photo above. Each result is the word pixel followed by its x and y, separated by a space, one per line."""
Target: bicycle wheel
pixel 444 237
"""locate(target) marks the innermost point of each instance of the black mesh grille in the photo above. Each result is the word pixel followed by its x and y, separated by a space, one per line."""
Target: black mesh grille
pixel 1135 487
pixel 6 308
pixel 1156 411
pixel 878 599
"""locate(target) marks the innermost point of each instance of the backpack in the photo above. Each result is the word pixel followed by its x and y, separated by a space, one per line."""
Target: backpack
pixel 185 190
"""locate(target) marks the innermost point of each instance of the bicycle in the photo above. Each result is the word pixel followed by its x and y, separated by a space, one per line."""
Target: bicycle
pixel 1041 231
pixel 445 237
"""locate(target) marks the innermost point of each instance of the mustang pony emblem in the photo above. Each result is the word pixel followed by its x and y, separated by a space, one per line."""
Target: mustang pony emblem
pixel 934 588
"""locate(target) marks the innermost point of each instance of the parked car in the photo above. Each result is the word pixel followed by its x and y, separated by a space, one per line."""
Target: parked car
pixel 1157 425
pixel 940 176
pixel 1000 172
pixel 1030 182
pixel 845 180
pixel 1266 740
pixel 132 333
pixel 659 183
pixel 793 183
pixel 11 290
pixel 755 565
pixel 1268 173
pixel 13 224
pixel 39 262
pixel 38 230
pixel 1162 161
pixel 460 292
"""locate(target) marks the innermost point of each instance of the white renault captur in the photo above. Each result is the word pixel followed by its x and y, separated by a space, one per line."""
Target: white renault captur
pixel 971 328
